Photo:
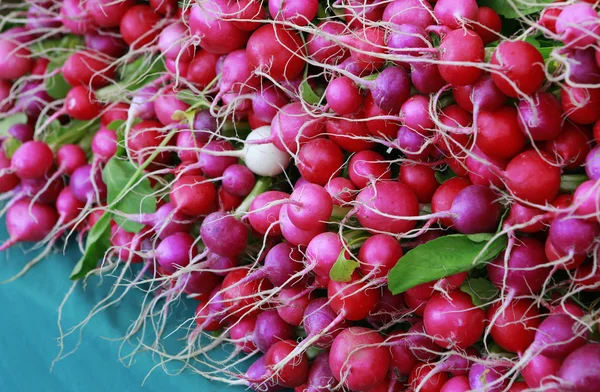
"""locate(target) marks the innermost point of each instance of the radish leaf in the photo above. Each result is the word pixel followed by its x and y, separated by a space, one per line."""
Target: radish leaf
pixel 481 290
pixel 443 257
pixel 96 245
pixel 343 268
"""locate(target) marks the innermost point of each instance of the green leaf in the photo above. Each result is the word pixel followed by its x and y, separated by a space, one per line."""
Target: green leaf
pixel 343 268
pixel 71 133
pixel 481 290
pixel 57 50
pixel 570 182
pixel 444 175
pixel 506 8
pixel 115 125
pixel 10 146
pixel 443 257
pixel 56 85
pixel 96 245
pixel 308 95
pixel 141 71
pixel 138 200
pixel 6 123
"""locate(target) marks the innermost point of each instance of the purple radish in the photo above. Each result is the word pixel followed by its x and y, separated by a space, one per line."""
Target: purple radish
pixel 223 234
pixel 82 186
pixel 475 210
pixel 175 251
pixel 319 315
pixel 269 329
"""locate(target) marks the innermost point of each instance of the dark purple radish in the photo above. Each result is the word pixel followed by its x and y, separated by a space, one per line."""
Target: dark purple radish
pixel 421 345
pixel 87 186
pixel 476 210
pixel 22 132
pixel 44 190
pixel 27 222
pixel 558 335
pixel 426 77
pixel 223 234
pixel 583 68
pixel 175 251
pixel 544 120
pixel 405 37
pixel 205 125
pixel 142 103
pixel 391 89
pixel 264 212
pixel 413 144
pixel 310 206
pixel 318 316
pixel 281 263
pixel 270 328
pixel 573 236
pixel 200 284
pixel 166 221
pixel 32 160
pixel 522 273
pixel 320 378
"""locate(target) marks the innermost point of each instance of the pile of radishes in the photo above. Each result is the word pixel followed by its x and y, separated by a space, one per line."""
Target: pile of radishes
pixel 357 195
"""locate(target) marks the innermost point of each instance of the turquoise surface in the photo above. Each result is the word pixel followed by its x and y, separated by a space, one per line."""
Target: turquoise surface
pixel 29 332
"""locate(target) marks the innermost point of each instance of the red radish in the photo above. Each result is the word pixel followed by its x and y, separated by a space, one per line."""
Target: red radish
pixel 368 166
pixel 522 66
pixel 15 59
pixel 498 133
pixel 352 300
pixel 138 26
pixel 357 359
pixel 539 369
pixel 350 133
pixel 143 139
pixel 570 147
pixel 579 104
pixel 292 303
pixel 421 179
pixel 207 21
pixel 343 96
pixel 202 69
pixel 376 127
pixel 322 252
pixel 530 177
pixel 432 384
pixel 460 46
pixel 319 160
pixel 341 190
pixel 276 51
pixel 264 217
pixel 239 299
pixel 488 26
pixel 310 206
pixel 324 50
pixel 164 7
pixel 193 195
pixel 300 13
pixel 76 18
pixel 513 328
pixel 241 332
pixel 294 372
pixel 27 222
pixel 446 315
pixel 293 126
pixel 8 181
pixel 482 95
pixel 108 13
pixel 403 361
pixel 378 255
pixel 475 210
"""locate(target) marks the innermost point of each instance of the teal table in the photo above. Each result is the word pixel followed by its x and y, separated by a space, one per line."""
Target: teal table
pixel 29 331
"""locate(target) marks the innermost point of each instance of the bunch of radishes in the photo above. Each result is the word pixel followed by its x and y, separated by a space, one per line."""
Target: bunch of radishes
pixel 360 195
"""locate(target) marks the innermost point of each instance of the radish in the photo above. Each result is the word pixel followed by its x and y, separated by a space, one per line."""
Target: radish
pixel 138 26
pixel 419 378
pixel 539 369
pixel 358 359
pixel 573 236
pixel 310 206
pixel 76 18
pixel 262 216
pixel 352 300
pixel 421 179
pixel 317 316
pixel 460 46
pixel 32 160
pixel 300 13
pixel 530 177
pixel 15 60
pixel 487 378
pixel 106 42
pixel 445 315
pixel 577 25
pixel 557 336
pixel 276 51
pixel 207 21
pixel 514 329
pixel 295 372
pixel 319 160
pixel 388 206
pixel 475 210
pixel 322 252
pixel 378 255
pixel 239 299
pixel 444 196
pixel 579 104
pixel 341 190
pixel 256 374
pixel 583 67
pixel 173 42
pixel 202 69
pixel 8 180
pixel 409 11
pixel 579 370
pixel 498 133
pixel 350 133
pixel 193 195
pixel 454 14
pixel 320 377
pixel 223 234
pixel 292 303
pixel 522 68
pixel 488 26
pixel 343 96
pixel 366 167
pixel 570 147
pixel 107 13
pixel 28 222
pixel 296 235
pixel 242 333
pixel 324 50
pixel 270 329
pixel 542 122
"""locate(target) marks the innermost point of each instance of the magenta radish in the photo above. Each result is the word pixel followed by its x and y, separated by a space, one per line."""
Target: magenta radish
pixel 403 360
pixel 573 236
pixel 498 133
pixel 460 46
pixel 8 181
pixel 407 36
pixel 320 378
pixel 558 335
pixel 570 147
pixel 282 262
pixel 322 49
pixel 358 359
pixel 317 316
pixel 475 210
pixel 482 95
pixel 522 273
pixel 15 59
pixel 138 26
pixel 485 170
pixel 104 144
pixel 242 332
pixel 32 160
pixel 322 252
pixel 238 180
pixel 264 212
pixel 391 89
pixel 539 370
pixel 207 21
pixel 579 371
pixel 293 126
pixel 413 144
pixel 415 114
pixel 292 303
pixel 106 42
pixel 544 120
pixel 300 13
pixel 87 68
pixel 202 69
pixel 269 329
pixel 577 25
pixel 276 51
pixel 586 198
pixel 488 378
pixel 377 212
pixel 223 234
pixel 409 11
pixel 174 43
pixel 583 68
pixel 341 190
pixel 294 234
pixel 387 309
pixel 378 255
pixel 455 14
pixel 310 206
pixel 175 251
pixel 343 96
pixel 256 374
pixel 420 344
pixel 193 196
pixel 28 222
pixel 350 133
